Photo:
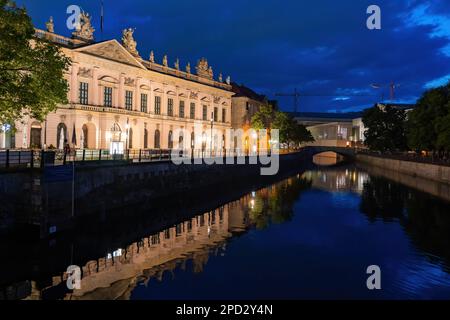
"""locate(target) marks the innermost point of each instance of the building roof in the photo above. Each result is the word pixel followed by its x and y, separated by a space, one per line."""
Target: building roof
pixel 326 115
pixel 243 91
pixel 78 44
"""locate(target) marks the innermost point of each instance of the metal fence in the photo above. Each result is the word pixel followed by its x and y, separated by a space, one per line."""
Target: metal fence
pixel 10 158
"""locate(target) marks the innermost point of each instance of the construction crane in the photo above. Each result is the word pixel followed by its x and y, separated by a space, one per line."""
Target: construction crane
pixel 392 87
pixel 296 95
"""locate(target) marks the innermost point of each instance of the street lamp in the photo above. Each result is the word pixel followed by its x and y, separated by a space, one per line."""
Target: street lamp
pixel 212 124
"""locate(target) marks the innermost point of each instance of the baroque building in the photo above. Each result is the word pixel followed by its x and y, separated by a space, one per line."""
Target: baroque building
pixel 118 100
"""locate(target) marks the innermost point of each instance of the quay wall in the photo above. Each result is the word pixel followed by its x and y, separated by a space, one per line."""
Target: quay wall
pixel 416 169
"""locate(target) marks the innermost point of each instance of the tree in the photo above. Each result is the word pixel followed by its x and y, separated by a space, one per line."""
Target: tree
pixel 264 118
pixel 428 124
pixel 385 129
pixel 31 70
pixel 301 135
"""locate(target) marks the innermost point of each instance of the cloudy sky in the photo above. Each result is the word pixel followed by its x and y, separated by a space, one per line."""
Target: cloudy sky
pixel 322 47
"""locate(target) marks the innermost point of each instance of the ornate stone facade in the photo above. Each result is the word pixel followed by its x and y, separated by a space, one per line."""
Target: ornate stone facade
pixel 117 100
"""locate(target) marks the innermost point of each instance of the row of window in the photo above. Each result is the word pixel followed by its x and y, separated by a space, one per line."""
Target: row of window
pixel 157 139
pixel 107 102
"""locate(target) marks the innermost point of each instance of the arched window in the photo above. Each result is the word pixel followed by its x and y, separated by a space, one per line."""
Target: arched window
pixel 170 143
pixel 61 136
pixel 180 142
pixel 130 138
pixel 145 138
pixel 157 139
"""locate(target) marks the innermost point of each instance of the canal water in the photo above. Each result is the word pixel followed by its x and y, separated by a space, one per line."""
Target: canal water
pixel 311 236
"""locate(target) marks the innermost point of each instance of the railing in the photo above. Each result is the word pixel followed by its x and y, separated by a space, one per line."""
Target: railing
pixel 10 158
pixel 409 156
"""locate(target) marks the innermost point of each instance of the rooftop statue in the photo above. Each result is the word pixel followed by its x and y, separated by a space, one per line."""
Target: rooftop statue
pixel 84 29
pixel 152 57
pixel 165 63
pixel 128 41
pixel 203 70
pixel 50 25
pixel 188 67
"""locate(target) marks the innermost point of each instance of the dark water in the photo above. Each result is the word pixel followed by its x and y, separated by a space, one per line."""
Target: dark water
pixel 311 236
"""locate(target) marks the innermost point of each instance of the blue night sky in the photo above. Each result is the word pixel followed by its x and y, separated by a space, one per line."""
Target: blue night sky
pixel 320 47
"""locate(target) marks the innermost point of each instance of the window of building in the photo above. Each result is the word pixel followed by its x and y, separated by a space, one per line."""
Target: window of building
pixel 145 138
pixel 130 138
pixel 215 114
pixel 107 96
pixel 167 234
pixel 157 105
pixel 205 113
pixel 84 93
pixel 181 111
pixel 170 107
pixel 170 144
pixel 247 106
pixel 192 111
pixel 144 102
pixel 157 139
pixel 224 115
pixel 129 100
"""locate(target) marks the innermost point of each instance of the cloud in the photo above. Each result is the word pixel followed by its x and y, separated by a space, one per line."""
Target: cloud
pixel 318 47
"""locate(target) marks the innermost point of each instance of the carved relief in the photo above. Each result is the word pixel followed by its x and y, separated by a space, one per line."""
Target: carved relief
pixel 216 100
pixel 130 82
pixel 193 95
pixel 89 117
pixel 85 72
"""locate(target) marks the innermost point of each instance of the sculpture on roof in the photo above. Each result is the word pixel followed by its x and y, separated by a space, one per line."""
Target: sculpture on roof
pixel 152 57
pixel 203 70
pixel 84 29
pixel 165 61
pixel 50 25
pixel 228 81
pixel 177 64
pixel 128 41
pixel 220 78
pixel 188 67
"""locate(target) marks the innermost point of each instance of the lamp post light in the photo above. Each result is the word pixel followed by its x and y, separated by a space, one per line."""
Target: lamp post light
pixel 212 125
pixel 127 127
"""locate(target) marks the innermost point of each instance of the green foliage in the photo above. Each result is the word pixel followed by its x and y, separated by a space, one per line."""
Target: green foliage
pixel 289 130
pixel 264 118
pixel 385 129
pixel 31 70
pixel 428 124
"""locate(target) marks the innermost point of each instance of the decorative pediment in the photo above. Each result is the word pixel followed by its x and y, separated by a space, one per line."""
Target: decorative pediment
pixel 184 95
pixel 224 103
pixel 205 99
pixel 145 87
pixel 171 93
pixel 111 50
pixel 108 79
pixel 158 90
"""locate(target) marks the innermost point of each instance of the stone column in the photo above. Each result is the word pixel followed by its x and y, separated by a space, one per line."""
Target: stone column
pixel 121 92
pixel 96 89
pixel 73 85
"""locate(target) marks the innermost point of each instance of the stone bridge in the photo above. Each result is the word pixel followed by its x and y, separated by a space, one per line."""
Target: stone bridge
pixel 349 153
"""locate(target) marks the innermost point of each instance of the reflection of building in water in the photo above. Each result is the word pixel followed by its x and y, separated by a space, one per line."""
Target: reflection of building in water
pixel 338 180
pixel 117 274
